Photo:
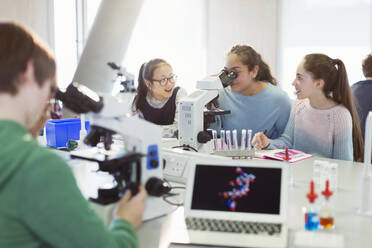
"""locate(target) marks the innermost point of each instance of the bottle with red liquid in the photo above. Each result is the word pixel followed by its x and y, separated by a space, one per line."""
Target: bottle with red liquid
pixel 326 212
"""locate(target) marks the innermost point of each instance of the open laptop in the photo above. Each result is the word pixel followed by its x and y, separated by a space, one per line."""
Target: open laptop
pixel 237 204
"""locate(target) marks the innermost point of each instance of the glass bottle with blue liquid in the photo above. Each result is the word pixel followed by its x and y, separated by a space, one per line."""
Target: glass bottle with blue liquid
pixel 311 213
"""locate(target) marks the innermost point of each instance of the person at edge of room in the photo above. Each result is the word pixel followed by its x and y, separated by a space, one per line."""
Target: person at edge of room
pixel 254 99
pixel 157 97
pixel 323 120
pixel 362 92
pixel 41 204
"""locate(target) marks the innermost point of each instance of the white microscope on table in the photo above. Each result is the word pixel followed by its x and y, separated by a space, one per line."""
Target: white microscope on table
pixel 195 116
pixel 196 112
pixel 142 161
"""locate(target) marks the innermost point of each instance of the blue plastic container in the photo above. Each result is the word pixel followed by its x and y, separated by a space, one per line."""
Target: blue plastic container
pixel 58 132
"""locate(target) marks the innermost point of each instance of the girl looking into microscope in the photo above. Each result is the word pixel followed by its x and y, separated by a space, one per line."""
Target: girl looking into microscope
pixel 254 99
pixel 323 120
pixel 157 97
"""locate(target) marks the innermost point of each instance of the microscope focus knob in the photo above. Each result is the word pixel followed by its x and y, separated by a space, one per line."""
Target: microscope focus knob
pixel 154 163
pixel 204 137
pixel 152 157
pixel 157 187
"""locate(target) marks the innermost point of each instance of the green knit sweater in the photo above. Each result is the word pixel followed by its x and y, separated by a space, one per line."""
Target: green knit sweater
pixel 40 203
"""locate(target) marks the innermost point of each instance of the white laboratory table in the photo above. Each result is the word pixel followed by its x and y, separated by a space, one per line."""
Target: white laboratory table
pixel 355 228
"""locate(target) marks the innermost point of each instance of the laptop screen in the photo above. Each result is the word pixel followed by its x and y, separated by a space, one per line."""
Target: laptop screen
pixel 237 189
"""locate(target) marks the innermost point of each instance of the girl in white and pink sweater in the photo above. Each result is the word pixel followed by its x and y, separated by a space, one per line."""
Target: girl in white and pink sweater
pixel 323 120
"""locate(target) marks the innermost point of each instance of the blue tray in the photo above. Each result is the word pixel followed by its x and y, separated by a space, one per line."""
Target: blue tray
pixel 58 132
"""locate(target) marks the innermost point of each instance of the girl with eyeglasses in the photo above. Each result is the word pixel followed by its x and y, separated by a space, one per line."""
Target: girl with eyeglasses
pixel 254 99
pixel 324 120
pixel 157 97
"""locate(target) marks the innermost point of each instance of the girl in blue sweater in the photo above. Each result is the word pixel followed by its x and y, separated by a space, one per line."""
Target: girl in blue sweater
pixel 254 99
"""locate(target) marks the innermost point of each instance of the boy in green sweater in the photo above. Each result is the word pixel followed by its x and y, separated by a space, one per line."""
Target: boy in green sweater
pixel 40 203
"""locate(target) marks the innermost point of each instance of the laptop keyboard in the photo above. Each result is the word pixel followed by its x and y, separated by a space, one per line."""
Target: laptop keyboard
pixel 203 224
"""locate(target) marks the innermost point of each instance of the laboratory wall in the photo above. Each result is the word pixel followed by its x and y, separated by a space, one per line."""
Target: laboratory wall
pixel 174 30
pixel 341 29
pixel 37 15
pixel 195 35
pixel 252 22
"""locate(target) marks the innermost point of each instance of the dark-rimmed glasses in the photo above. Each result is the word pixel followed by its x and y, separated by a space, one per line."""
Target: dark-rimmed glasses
pixel 164 81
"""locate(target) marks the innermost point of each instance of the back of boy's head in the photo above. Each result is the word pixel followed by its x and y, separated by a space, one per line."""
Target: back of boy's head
pixel 18 47
pixel 367 66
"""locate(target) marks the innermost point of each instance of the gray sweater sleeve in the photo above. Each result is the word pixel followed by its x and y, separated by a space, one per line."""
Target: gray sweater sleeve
pixel 343 136
pixel 286 139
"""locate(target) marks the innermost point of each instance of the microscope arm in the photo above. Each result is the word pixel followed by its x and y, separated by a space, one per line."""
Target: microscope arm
pixel 191 109
pixel 191 120
pixel 139 136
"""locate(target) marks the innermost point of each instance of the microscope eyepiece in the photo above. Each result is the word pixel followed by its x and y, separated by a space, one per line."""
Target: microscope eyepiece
pixel 80 99
pixel 226 77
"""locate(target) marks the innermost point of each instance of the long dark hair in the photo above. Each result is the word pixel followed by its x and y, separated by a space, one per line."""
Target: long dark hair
pixel 336 87
pixel 251 58
pixel 146 73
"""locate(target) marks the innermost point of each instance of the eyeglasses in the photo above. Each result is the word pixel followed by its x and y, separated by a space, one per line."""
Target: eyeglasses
pixel 164 81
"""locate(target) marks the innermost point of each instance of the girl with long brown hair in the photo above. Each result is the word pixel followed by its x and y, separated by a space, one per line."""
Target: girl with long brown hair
pixel 324 120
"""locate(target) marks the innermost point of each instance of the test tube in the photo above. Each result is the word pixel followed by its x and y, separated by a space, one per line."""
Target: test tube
pixel 222 135
pixel 249 141
pixel 228 139
pixel 333 175
pixel 235 139
pixel 244 137
pixel 324 173
pixel 215 143
pixel 316 172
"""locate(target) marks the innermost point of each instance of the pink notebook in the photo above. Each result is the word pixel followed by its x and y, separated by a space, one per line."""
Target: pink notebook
pixel 279 154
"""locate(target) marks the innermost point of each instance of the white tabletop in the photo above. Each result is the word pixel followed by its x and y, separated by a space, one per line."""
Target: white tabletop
pixel 355 228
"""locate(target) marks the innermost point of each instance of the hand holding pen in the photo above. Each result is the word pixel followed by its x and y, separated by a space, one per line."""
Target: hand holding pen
pixel 260 141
